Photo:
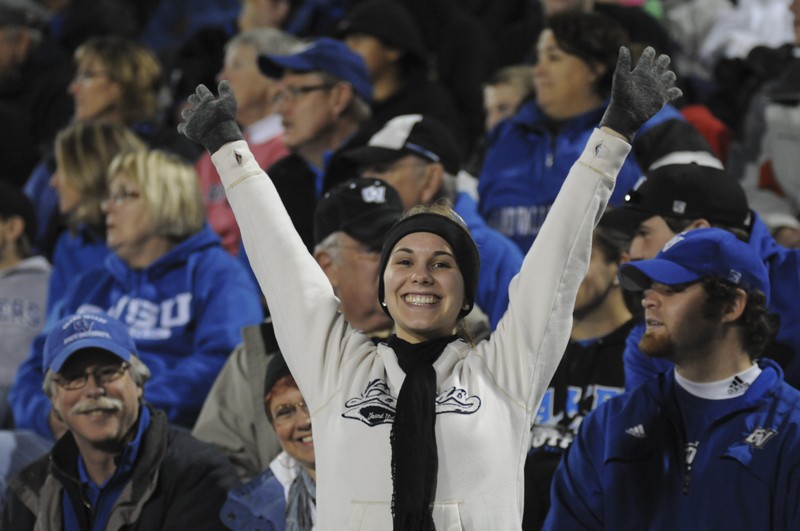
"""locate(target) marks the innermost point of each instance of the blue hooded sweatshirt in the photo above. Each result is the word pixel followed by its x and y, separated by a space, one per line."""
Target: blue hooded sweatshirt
pixel 73 255
pixel 525 166
pixel 185 313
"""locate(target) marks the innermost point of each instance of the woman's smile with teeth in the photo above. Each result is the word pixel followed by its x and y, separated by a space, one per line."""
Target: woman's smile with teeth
pixel 420 299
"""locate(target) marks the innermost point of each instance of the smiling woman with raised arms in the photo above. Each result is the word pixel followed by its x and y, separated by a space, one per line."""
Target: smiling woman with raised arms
pixel 426 431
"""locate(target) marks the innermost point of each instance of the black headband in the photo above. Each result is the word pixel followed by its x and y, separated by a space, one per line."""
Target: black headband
pixel 455 234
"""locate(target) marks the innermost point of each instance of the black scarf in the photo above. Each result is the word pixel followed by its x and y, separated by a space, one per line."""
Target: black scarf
pixel 415 460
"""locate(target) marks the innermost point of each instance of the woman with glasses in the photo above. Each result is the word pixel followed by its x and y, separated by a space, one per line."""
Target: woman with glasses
pixel 284 495
pixel 167 278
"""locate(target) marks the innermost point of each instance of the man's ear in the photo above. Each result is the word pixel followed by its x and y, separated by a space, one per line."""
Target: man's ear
pixel 735 308
pixel 432 182
pixel 699 223
pixel 342 94
pixel 328 266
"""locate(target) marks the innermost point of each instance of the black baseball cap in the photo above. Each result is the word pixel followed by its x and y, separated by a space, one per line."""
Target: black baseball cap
pixel 410 134
pixel 388 21
pixel 365 209
pixel 687 191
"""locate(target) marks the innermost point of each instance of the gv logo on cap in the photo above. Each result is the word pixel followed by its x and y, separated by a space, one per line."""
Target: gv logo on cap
pixel 374 194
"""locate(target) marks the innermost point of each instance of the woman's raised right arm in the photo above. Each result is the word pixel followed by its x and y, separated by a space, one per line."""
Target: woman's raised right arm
pixel 301 301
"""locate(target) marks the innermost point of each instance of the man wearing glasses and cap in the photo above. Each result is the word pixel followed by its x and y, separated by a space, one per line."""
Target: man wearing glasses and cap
pixel 324 97
pixel 119 465
pixel 712 444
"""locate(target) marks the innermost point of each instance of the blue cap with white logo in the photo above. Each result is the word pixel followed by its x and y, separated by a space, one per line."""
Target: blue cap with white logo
pixel 326 55
pixel 698 254
pixel 86 330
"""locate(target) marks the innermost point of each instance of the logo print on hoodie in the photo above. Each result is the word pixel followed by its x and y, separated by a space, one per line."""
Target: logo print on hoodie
pixel 376 405
pixel 146 319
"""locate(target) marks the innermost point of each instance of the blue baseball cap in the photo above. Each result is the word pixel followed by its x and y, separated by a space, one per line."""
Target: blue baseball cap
pixel 698 254
pixel 327 55
pixel 86 330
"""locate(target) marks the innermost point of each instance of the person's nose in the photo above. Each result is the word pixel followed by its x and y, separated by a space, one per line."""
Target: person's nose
pixel 421 275
pixel 649 299
pixel 93 388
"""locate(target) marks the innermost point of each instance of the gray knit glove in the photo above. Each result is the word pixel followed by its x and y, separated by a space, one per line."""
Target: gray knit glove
pixel 211 121
pixel 639 94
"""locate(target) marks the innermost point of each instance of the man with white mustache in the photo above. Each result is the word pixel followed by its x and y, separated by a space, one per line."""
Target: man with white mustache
pixel 119 465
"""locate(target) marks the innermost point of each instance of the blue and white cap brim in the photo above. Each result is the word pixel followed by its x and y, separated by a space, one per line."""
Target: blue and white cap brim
pixel 87 343
pixel 640 274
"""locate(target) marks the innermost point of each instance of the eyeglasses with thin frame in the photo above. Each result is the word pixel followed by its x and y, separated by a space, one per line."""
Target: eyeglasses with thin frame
pixel 290 94
pixel 120 197
pixel 102 376
pixel 286 413
pixel 88 75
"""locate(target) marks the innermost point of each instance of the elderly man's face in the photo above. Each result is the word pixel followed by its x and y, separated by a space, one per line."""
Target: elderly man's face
pixel 354 277
pixel 308 108
pixel 99 414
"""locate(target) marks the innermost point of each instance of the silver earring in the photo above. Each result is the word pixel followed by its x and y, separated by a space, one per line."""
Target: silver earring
pixel 383 304
pixel 465 307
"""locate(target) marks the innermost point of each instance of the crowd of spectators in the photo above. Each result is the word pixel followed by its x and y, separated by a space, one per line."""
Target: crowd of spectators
pixel 358 110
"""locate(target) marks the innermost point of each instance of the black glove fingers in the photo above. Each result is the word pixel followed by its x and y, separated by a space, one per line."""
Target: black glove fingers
pixel 193 100
pixel 224 89
pixel 203 93
pixel 662 63
pixel 646 59
pixel 186 112
pixel 668 78
pixel 674 93
pixel 623 60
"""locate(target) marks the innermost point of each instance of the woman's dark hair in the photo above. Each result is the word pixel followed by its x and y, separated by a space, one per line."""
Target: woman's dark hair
pixel 592 37
pixel 758 328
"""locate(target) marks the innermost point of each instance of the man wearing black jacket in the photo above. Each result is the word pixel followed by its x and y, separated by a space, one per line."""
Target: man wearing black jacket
pixel 119 466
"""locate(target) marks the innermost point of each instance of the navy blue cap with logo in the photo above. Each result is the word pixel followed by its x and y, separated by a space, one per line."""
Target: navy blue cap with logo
pixel 364 208
pixel 698 254
pixel 82 331
pixel 322 55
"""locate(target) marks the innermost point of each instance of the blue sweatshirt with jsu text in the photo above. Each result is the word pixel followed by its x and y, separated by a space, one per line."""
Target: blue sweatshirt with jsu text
pixel 185 313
